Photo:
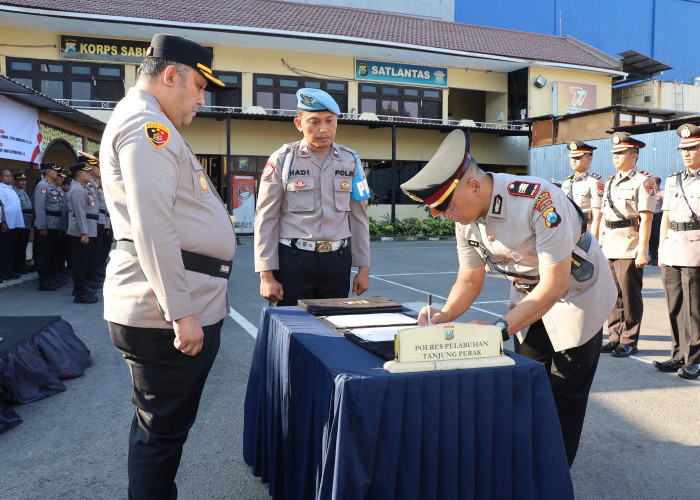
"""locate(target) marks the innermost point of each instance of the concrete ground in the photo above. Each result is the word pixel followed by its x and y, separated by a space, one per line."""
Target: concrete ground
pixel 641 438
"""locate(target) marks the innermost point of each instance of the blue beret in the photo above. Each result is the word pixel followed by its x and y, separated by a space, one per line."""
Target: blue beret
pixel 316 100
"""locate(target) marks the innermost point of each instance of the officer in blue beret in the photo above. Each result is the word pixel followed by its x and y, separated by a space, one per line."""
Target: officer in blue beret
pixel 311 225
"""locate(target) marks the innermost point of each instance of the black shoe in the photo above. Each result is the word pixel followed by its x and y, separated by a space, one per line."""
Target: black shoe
pixel 670 365
pixel 609 346
pixel 85 299
pixel 47 287
pixel 95 285
pixel 10 276
pixel 691 372
pixel 624 350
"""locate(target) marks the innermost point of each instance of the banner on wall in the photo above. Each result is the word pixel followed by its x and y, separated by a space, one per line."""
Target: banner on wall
pixel 20 138
pixel 573 97
pixel 243 202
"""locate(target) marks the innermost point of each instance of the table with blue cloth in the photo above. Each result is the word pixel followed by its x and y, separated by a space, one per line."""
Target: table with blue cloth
pixel 323 419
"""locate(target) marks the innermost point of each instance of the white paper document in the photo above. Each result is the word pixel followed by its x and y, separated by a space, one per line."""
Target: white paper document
pixel 367 320
pixel 379 334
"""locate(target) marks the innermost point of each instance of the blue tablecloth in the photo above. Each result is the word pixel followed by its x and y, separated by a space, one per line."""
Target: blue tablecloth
pixel 323 419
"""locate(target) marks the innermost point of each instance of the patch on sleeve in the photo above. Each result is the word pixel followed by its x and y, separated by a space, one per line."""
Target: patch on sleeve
pixel 551 217
pixel 520 188
pixel 543 201
pixel 157 133
pixel 601 189
pixel 650 187
pixel 268 170
pixel 43 190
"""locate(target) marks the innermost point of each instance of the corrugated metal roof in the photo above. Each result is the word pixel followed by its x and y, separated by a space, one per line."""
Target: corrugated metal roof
pixel 294 18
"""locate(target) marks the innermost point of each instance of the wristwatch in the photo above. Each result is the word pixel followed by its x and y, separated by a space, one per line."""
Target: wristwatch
pixel 503 325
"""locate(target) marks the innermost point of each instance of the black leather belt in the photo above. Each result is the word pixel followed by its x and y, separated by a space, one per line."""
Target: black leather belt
pixel 617 224
pixel 27 212
pixel 685 226
pixel 54 213
pixel 92 216
pixel 103 211
pixel 194 262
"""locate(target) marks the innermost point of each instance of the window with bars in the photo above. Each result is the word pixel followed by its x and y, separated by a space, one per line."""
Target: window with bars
pixel 230 96
pixel 406 102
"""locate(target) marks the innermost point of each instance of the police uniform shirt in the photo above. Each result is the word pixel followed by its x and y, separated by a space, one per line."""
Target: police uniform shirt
pixel 585 189
pixel 47 199
pixel 682 248
pixel 631 192
pixel 81 204
pixel 531 223
pixel 159 197
pixel 98 194
pixel 314 205
pixel 65 208
pixel 26 205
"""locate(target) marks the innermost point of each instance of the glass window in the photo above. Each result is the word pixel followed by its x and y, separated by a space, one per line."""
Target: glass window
pixel 410 108
pixel 410 92
pixel 229 78
pixel 20 66
pixel 312 85
pixel 27 82
pixel 264 99
pixel 288 102
pixel 81 91
pixel 264 81
pixel 390 108
pixel 81 70
pixel 289 83
pixel 431 94
pixel 52 88
pixel 51 68
pixel 335 86
pixel 368 105
pixel 109 71
pixel 390 91
pixel 368 89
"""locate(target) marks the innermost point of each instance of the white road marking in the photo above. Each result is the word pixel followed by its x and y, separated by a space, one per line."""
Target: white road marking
pixel 245 324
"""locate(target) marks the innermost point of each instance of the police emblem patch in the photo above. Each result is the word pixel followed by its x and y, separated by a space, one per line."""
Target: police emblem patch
pixel 520 188
pixel 601 189
pixel 157 133
pixel 306 99
pixel 573 146
pixel 449 333
pixel 685 131
pixel 300 184
pixel 497 201
pixel 616 139
pixel 203 182
pixel 650 187
pixel 345 186
pixel 267 171
pixel 551 217
pixel 43 190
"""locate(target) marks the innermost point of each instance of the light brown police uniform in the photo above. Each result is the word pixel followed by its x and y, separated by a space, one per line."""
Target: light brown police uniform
pixel 159 197
pixel 631 192
pixel 681 256
pixel 315 204
pixel 531 223
pixel 585 189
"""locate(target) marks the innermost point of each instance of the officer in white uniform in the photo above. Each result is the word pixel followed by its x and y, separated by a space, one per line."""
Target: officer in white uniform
pixel 679 255
pixel 166 287
pixel 311 224
pixel 584 186
pixel 628 210
pixel 527 229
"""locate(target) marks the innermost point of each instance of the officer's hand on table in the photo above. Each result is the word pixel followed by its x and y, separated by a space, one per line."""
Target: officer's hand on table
pixel 84 239
pixel 43 232
pixel 642 258
pixel 361 282
pixel 436 316
pixel 189 336
pixel 270 288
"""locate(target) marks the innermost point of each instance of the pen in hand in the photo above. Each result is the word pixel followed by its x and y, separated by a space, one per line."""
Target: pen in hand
pixel 430 304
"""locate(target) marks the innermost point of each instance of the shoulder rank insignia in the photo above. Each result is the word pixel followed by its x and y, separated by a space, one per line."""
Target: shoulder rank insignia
pixel 644 173
pixel 157 133
pixel 267 171
pixel 594 175
pixel 520 188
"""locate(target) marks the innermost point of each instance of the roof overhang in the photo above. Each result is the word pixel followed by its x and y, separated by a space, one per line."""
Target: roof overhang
pixel 18 92
pixel 243 36
pixel 640 67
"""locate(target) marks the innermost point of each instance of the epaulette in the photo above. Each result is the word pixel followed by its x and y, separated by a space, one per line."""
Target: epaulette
pixel 644 173
pixel 351 151
pixel 570 177
pixel 594 175
pixel 680 172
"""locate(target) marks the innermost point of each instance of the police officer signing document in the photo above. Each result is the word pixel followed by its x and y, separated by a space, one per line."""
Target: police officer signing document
pixel 165 289
pixel 527 229
pixel 311 223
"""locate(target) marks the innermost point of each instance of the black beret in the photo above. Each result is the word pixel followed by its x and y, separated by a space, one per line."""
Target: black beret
pixel 184 51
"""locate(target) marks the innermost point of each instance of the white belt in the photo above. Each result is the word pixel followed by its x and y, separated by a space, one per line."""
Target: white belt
pixel 316 246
